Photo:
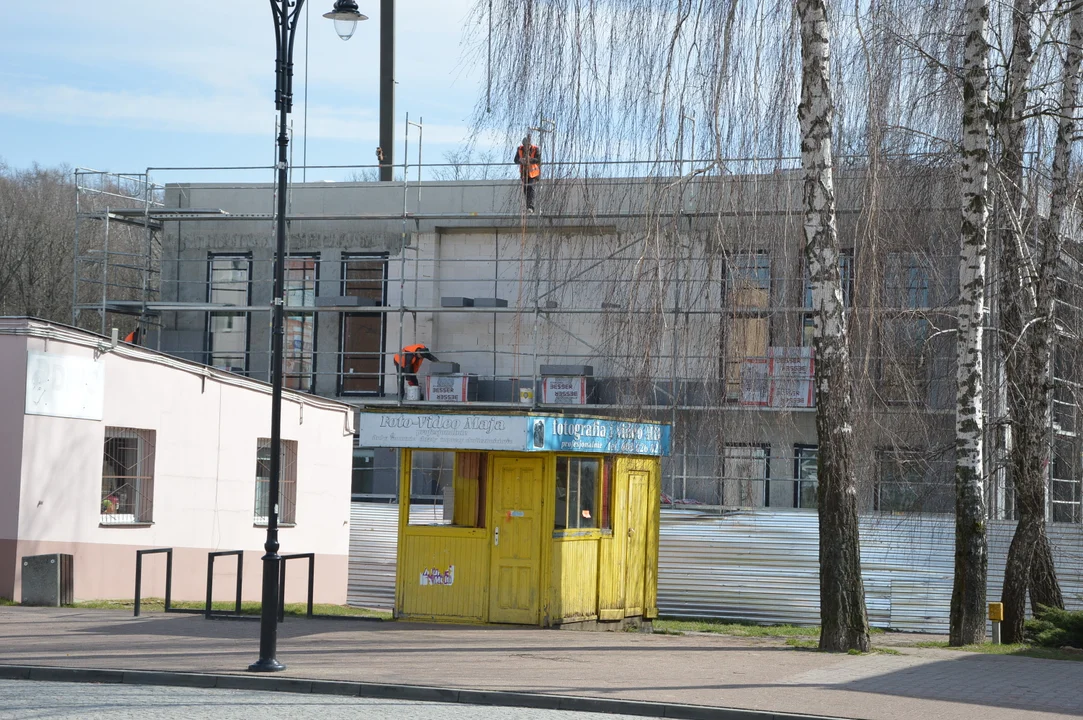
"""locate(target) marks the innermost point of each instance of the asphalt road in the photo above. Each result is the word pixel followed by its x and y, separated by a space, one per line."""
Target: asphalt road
pixel 24 699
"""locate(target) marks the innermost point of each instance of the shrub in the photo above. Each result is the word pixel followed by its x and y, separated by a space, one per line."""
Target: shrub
pixel 1053 627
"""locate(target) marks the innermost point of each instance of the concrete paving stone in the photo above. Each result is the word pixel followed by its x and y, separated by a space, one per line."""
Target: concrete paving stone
pixel 446 663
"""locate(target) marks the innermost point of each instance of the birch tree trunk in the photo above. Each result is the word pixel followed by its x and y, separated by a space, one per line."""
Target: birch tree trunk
pixel 1028 280
pixel 967 620
pixel 843 618
pixel 1044 588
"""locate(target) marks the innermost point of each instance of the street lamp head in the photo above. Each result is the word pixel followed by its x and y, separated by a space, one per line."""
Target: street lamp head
pixel 346 16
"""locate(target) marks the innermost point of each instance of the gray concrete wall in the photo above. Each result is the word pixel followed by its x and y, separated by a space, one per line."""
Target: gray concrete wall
pixel 593 245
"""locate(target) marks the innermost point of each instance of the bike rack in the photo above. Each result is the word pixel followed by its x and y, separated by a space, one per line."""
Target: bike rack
pixel 168 580
pixel 207 611
pixel 311 557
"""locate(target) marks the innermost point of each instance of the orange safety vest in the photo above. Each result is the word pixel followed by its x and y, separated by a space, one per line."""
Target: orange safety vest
pixel 413 358
pixel 533 168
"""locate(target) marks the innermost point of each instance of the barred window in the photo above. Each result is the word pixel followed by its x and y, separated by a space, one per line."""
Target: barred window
pixel 287 482
pixel 127 477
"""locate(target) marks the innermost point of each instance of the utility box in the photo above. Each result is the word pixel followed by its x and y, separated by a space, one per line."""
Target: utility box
pixel 47 580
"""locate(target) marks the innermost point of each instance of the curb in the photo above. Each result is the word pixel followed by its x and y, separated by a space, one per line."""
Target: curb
pixel 421 693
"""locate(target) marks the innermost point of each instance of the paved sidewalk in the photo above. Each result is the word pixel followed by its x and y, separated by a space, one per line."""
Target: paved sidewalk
pixel 716 671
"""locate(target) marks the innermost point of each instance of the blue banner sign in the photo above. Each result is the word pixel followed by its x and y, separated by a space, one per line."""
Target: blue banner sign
pixel 587 435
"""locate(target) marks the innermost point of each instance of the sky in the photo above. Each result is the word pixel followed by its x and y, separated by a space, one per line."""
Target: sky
pixel 123 85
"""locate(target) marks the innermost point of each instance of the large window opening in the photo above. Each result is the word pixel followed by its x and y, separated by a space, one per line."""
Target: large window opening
pixel 362 343
pixel 448 488
pixel 745 476
pixel 227 330
pixel 846 278
pixel 299 346
pixel 746 326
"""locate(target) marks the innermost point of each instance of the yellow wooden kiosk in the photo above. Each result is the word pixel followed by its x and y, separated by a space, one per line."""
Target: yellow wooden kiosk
pixel 524 518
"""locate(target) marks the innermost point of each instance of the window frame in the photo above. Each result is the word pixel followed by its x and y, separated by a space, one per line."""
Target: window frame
pixel 921 464
pixel 208 344
pixel 305 317
pixel 1061 484
pixel 603 499
pixel 143 485
pixel 753 266
pixel 846 277
pixel 766 479
pixel 804 452
pixel 446 475
pixel 287 483
pixel 381 377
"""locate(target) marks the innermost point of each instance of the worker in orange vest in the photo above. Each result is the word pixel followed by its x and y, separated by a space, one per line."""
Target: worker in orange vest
pixel 528 158
pixel 408 362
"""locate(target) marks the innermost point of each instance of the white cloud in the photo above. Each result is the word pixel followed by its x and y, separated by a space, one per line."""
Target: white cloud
pixel 217 114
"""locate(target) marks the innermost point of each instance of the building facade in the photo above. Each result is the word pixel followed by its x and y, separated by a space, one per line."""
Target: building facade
pixel 109 448
pixel 667 299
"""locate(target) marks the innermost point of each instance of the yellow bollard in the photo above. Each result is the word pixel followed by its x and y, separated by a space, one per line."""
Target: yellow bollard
pixel 996 615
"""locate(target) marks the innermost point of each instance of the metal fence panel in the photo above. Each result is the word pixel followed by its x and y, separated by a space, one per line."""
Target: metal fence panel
pixel 762 566
pixel 374 542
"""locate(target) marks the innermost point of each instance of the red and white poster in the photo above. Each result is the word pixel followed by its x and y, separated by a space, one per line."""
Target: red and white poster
pixel 564 390
pixel 446 388
pixel 791 377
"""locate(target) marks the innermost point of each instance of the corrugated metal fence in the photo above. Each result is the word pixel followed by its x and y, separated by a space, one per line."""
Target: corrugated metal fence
pixel 761 566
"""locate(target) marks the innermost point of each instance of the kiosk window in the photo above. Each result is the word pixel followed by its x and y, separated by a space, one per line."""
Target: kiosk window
pixel 577 492
pixel 447 488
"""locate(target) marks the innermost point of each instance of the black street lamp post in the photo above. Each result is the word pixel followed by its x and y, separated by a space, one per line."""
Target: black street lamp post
pixel 286 13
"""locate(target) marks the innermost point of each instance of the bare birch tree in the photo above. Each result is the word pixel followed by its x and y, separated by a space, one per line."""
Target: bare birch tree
pixel 1028 326
pixel 843 618
pixel 967 621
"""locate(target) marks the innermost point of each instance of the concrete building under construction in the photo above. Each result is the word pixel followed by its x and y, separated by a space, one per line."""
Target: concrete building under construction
pixel 673 299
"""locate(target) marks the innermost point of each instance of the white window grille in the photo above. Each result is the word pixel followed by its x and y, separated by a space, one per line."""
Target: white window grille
pixel 127 477
pixel 287 482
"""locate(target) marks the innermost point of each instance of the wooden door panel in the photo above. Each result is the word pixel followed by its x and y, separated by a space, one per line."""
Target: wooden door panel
pixel 636 547
pixel 516 552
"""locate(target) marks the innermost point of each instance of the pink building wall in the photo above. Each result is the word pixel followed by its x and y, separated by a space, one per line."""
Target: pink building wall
pixel 207 424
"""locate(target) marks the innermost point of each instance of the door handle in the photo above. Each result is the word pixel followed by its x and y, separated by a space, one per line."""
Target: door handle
pixel 631 532
pixel 496 536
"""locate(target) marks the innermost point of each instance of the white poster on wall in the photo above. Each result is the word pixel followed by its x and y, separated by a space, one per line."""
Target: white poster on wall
pixel 439 432
pixel 446 388
pixel 64 386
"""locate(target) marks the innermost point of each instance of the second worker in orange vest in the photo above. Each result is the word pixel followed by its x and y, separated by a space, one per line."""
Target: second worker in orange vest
pixel 408 362
pixel 528 158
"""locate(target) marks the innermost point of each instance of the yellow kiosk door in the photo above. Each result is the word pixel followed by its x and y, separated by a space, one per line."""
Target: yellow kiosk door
pixel 636 548
pixel 516 552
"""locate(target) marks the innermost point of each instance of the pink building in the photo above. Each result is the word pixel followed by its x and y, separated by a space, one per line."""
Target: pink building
pixel 107 449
